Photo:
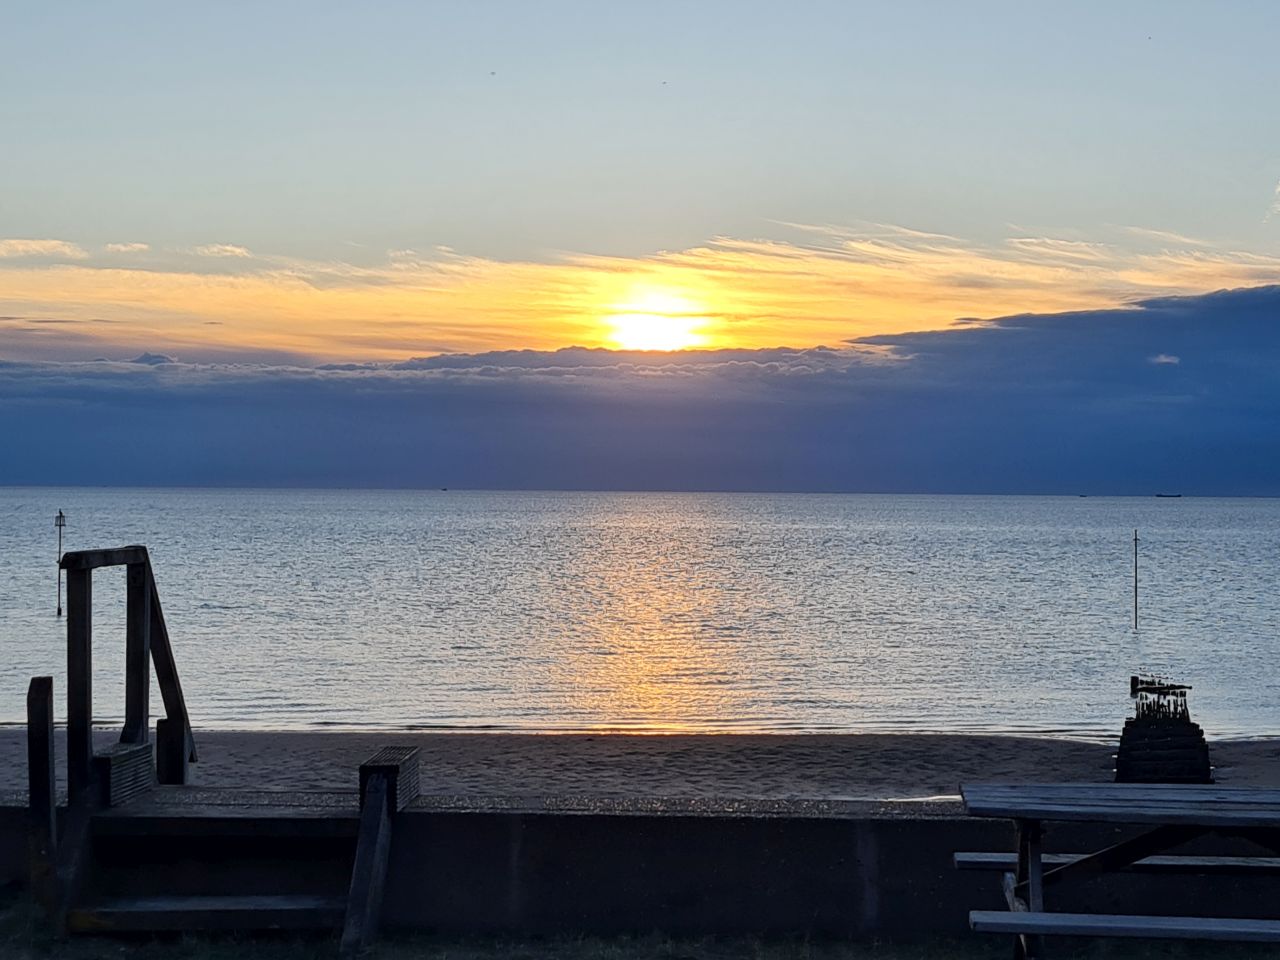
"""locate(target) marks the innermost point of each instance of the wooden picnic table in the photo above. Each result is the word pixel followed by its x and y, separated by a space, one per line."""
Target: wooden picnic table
pixel 1174 814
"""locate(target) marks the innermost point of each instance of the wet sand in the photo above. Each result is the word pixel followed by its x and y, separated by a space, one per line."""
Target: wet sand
pixel 738 766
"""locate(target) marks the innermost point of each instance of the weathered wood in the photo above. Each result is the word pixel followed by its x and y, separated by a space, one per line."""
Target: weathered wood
pixel 1209 806
pixel 173 751
pixel 295 912
pixel 1116 925
pixel 1199 866
pixel 1122 854
pixel 124 772
pixel 1127 792
pixel 257 822
pixel 175 705
pixel 137 656
pixel 400 766
pixel 72 859
pixel 1030 869
pixel 79 681
pixel 112 557
pixel 41 793
pixel 1028 888
pixel 1180 812
pixel 369 873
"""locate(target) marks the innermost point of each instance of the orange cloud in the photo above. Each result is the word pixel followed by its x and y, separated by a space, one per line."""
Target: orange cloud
pixel 821 285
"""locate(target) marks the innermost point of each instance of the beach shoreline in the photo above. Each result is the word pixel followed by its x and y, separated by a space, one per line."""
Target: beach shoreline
pixel 868 766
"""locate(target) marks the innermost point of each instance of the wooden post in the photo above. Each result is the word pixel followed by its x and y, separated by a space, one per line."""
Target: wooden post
pixel 173 751
pixel 1029 876
pixel 388 783
pixel 79 682
pixel 137 656
pixel 173 734
pixel 369 873
pixel 42 793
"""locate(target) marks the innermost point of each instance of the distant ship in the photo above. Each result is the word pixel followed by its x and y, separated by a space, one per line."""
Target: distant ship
pixel 1169 495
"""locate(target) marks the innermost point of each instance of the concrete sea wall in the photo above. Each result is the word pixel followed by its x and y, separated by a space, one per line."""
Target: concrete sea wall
pixel 513 871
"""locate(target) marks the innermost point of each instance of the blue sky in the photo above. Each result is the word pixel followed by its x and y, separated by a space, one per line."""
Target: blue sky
pixel 514 130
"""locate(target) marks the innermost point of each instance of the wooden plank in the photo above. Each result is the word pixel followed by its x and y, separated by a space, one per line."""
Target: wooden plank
pixel 1129 792
pixel 124 772
pixel 369 873
pixel 41 793
pixel 1104 788
pixel 175 705
pixel 79 682
pixel 1208 808
pixel 295 912
pixel 1242 805
pixel 173 752
pixel 72 860
pixel 1029 871
pixel 1144 809
pixel 113 557
pixel 1126 803
pixel 1225 866
pixel 1115 925
pixel 1028 889
pixel 1122 854
pixel 137 655
pixel 144 819
pixel 1173 815
pixel 400 766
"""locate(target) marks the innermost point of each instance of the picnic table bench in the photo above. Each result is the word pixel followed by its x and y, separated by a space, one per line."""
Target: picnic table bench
pixel 1173 813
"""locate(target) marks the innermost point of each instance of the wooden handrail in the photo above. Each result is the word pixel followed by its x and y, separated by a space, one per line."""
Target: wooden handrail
pixel 175 704
pixel 146 644
pixel 113 557
pixel 42 793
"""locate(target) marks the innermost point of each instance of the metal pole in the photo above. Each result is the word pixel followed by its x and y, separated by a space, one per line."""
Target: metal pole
pixel 1135 579
pixel 60 521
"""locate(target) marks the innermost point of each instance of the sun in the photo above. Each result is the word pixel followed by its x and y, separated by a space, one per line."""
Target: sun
pixel 657 320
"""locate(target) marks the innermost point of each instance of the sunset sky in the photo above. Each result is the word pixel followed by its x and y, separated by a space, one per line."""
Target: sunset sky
pixel 335 182
pixel 309 188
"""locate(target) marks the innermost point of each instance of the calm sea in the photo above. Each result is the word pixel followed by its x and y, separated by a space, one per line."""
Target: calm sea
pixel 553 611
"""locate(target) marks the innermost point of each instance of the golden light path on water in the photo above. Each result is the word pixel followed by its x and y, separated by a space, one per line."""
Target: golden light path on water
pixel 649 661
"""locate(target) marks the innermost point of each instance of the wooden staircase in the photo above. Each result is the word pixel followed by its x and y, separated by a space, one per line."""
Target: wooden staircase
pixel 139 850
pixel 166 863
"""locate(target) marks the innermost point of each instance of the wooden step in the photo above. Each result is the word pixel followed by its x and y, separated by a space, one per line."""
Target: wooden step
pixel 137 914
pixel 318 827
pixel 1114 925
pixel 183 812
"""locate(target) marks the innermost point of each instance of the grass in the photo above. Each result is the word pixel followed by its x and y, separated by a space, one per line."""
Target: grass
pixel 25 936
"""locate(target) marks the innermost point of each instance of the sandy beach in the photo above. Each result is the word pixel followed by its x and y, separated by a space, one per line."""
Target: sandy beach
pixel 740 766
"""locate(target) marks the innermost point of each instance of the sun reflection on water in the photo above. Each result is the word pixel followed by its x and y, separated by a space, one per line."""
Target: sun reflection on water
pixel 655 656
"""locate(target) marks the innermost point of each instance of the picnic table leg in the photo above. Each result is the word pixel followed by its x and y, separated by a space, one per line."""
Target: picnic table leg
pixel 1030 871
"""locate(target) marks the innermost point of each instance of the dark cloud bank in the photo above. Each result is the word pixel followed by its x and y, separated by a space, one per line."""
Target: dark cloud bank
pixel 1173 395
